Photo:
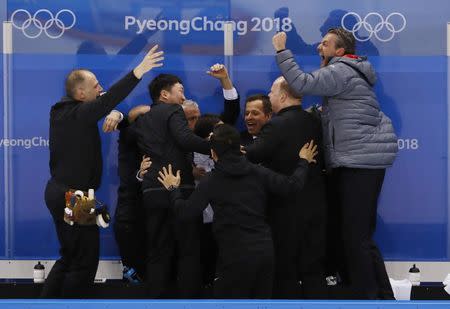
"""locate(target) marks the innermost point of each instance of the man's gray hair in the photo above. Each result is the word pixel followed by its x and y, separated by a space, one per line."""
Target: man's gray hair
pixel 189 103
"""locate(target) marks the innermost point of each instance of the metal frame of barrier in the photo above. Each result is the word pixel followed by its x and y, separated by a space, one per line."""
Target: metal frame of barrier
pixel 220 304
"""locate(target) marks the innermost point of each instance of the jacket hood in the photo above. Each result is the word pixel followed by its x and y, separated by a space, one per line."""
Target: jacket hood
pixel 360 64
pixel 231 164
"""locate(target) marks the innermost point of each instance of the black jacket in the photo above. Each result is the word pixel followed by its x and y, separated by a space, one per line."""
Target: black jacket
pixel 238 193
pixel 163 135
pixel 75 146
pixel 277 148
pixel 231 111
pixel 129 158
pixel 246 138
pixel 282 137
pixel 128 153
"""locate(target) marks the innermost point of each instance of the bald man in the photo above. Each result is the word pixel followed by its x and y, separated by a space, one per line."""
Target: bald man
pixel 76 163
pixel 299 225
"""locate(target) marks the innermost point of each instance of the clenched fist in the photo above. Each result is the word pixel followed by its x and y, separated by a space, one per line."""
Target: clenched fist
pixel 279 41
pixel 218 71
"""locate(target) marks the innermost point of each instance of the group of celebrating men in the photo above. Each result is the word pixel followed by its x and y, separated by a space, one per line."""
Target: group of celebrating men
pixel 263 194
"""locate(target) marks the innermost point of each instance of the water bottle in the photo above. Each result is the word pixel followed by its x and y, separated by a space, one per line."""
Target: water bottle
pixel 414 275
pixel 39 273
pixel 91 195
pixel 130 275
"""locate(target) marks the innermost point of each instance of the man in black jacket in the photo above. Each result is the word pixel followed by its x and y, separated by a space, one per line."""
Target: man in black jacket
pixel 76 163
pixel 128 226
pixel 299 226
pixel 164 136
pixel 231 106
pixel 238 193
pixel 202 163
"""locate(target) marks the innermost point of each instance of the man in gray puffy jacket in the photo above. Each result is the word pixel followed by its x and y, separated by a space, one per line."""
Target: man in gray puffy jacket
pixel 359 144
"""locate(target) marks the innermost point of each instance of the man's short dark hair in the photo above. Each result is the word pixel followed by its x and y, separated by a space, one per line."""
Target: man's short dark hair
pixel 73 80
pixel 226 139
pixel 345 40
pixel 160 83
pixel 267 106
pixel 205 124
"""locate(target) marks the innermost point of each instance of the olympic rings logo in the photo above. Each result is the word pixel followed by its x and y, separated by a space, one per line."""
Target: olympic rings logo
pixel 374 30
pixel 36 22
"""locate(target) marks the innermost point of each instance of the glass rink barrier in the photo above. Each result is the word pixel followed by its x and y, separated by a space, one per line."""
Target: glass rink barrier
pixel 43 40
pixel 227 304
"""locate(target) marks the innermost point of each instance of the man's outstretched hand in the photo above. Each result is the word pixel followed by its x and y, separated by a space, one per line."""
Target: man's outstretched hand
pixel 151 60
pixel 168 179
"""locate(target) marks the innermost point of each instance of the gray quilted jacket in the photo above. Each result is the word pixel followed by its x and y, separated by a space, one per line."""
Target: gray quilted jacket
pixel 356 133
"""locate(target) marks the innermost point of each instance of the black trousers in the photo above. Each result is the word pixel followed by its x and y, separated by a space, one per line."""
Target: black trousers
pixel 130 240
pixel 172 249
pixel 209 252
pixel 73 274
pixel 299 230
pixel 250 277
pixel 129 229
pixel 355 202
